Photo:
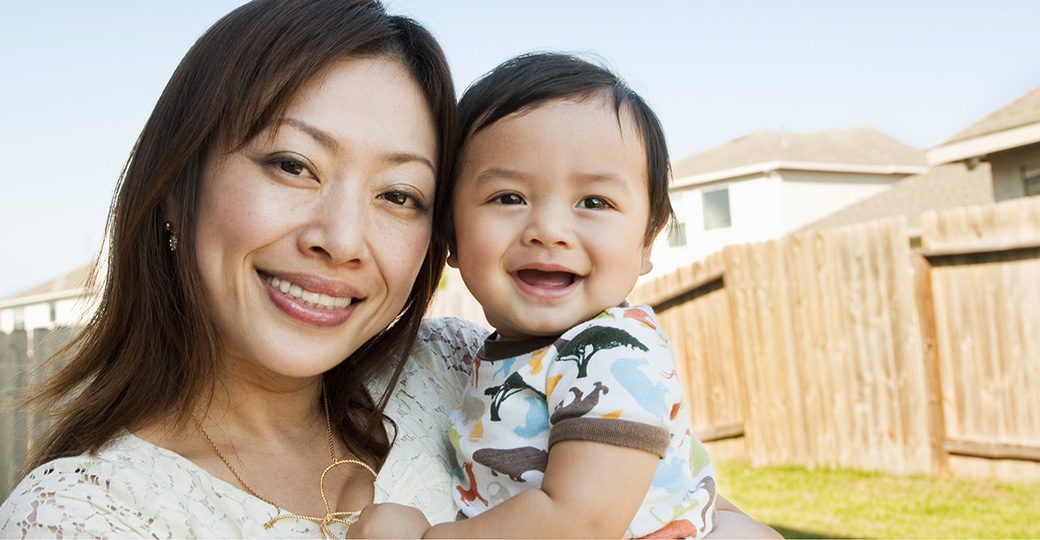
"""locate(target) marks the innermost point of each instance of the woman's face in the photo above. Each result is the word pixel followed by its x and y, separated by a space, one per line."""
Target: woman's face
pixel 310 237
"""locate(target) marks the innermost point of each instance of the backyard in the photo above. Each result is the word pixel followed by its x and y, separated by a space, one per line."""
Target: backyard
pixel 821 503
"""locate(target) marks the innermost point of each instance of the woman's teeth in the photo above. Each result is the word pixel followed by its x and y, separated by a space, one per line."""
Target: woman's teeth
pixel 312 299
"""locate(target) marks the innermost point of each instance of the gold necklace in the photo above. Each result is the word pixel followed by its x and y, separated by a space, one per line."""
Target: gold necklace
pixel 330 516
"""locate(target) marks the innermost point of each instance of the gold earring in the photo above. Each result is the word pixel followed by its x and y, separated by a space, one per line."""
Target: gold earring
pixel 171 237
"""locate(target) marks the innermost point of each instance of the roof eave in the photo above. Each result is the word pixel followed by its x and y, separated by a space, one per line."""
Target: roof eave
pixel 766 167
pixel 45 297
pixel 984 145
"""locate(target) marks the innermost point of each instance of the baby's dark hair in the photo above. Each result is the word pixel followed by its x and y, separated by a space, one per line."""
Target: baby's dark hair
pixel 529 80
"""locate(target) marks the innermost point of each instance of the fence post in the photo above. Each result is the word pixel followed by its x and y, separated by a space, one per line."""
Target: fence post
pixel 14 348
pixel 932 377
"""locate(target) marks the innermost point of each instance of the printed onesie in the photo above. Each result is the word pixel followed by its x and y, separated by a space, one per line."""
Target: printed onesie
pixel 611 380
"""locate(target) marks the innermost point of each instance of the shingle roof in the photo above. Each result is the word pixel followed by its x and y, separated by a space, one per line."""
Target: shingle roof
pixel 945 186
pixel 1021 112
pixel 73 280
pixel 862 145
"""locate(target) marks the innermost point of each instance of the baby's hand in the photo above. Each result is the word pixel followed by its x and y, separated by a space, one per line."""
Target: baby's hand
pixel 389 520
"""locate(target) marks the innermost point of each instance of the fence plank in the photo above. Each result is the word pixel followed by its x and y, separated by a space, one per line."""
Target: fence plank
pixel 14 349
pixel 933 378
pixel 986 282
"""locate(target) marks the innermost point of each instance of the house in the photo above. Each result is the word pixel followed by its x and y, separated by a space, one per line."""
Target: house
pixel 943 187
pixel 767 184
pixel 1008 139
pixel 64 301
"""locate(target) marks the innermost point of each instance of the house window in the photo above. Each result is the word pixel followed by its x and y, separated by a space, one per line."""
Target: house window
pixel 19 318
pixel 716 209
pixel 1031 179
pixel 677 235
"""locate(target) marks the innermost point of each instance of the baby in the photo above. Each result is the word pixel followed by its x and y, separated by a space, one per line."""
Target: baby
pixel 573 422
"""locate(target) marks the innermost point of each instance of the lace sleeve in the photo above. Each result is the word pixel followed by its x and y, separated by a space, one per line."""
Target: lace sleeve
pixel 417 472
pixel 454 340
pixel 74 498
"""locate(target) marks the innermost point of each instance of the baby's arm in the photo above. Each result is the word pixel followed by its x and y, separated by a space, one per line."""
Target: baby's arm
pixel 389 520
pixel 590 490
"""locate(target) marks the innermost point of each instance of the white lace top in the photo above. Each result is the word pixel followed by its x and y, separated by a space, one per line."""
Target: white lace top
pixel 132 488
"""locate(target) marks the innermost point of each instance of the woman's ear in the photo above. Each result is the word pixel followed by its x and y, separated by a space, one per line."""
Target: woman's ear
pixel 453 259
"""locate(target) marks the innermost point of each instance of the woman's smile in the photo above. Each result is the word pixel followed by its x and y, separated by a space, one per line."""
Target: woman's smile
pixel 313 299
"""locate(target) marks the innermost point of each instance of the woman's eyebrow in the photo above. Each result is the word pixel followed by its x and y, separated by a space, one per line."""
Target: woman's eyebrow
pixel 323 138
pixel 326 139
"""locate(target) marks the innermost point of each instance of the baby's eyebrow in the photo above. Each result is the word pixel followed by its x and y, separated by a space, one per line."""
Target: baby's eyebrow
pixel 498 173
pixel 610 179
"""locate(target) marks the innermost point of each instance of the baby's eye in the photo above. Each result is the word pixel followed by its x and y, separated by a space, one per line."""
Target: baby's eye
pixel 594 203
pixel 509 198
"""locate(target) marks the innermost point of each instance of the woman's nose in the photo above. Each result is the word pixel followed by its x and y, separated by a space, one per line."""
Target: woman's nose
pixel 338 229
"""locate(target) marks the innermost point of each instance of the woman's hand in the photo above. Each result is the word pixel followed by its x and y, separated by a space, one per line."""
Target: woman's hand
pixel 389 520
pixel 732 522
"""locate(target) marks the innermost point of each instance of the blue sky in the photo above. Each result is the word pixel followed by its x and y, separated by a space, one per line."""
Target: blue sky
pixel 78 79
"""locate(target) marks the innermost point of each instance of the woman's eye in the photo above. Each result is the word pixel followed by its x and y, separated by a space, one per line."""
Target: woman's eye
pixel 594 203
pixel 401 198
pixel 509 198
pixel 292 166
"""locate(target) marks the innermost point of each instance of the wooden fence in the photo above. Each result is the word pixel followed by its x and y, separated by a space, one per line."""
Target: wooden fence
pixel 842 348
pixel 20 428
pixel 979 273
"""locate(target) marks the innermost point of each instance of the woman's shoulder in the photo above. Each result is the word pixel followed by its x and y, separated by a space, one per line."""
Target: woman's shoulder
pixel 130 487
pixel 111 492
pixel 450 340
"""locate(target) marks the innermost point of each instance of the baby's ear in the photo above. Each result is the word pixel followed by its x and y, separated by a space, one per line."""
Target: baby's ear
pixel 646 266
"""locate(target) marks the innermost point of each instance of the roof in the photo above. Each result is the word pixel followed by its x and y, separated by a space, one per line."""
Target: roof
pixel 1021 112
pixel 859 146
pixel 945 186
pixel 1014 125
pixel 71 283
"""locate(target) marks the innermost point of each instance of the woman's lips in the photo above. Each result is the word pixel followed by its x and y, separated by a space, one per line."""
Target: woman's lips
pixel 312 299
pixel 308 306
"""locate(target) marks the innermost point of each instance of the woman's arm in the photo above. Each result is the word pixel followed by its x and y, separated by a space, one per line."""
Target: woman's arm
pixel 732 522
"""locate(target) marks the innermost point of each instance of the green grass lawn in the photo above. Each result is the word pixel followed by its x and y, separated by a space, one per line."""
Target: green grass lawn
pixel 803 503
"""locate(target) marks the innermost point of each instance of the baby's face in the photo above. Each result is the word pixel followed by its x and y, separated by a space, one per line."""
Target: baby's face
pixel 551 208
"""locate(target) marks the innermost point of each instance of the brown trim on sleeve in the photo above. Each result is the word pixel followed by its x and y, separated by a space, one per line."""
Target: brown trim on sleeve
pixel 653 439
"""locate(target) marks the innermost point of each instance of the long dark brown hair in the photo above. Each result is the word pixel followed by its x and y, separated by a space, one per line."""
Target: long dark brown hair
pixel 151 349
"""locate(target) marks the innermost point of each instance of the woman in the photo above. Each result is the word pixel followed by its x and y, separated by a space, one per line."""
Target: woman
pixel 270 258
pixel 274 219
